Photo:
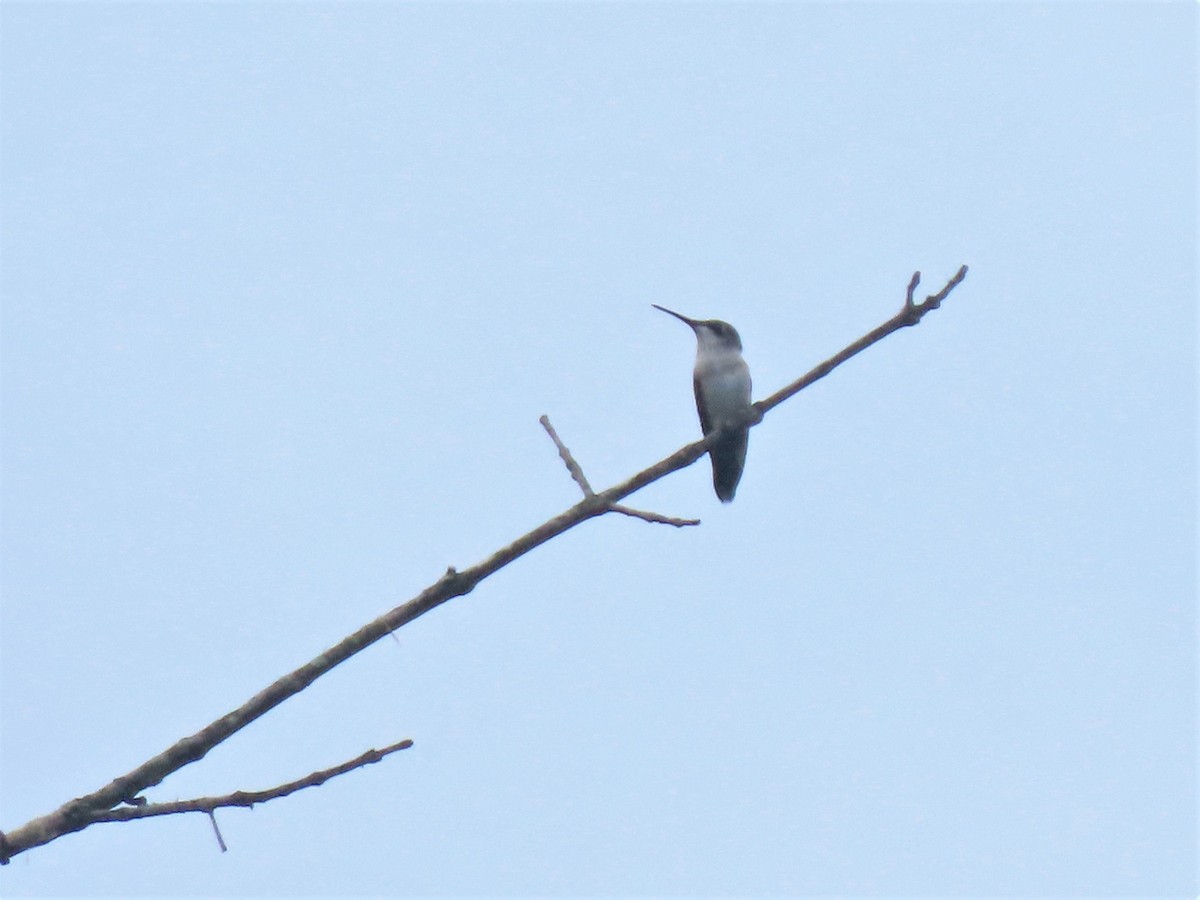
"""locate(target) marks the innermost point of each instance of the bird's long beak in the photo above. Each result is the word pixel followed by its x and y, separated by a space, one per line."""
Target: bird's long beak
pixel 671 312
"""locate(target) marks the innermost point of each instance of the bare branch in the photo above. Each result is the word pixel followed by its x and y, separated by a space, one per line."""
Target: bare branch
pixel 248 798
pixel 83 811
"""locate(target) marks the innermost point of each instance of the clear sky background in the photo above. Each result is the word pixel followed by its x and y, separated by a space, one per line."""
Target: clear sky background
pixel 287 286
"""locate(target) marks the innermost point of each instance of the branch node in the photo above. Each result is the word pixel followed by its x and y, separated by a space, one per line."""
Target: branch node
pixel 459 583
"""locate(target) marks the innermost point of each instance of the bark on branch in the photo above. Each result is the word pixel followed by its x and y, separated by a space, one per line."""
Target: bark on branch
pixel 100 805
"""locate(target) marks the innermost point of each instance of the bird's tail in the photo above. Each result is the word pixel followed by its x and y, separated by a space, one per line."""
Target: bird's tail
pixel 728 458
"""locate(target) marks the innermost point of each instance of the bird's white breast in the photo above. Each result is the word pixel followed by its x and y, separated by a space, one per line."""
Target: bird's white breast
pixel 724 380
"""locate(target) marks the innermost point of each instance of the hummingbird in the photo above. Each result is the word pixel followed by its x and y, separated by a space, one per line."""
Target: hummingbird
pixel 721 381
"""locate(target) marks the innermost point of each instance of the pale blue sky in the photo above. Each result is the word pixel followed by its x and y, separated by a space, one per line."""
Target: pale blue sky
pixel 287 286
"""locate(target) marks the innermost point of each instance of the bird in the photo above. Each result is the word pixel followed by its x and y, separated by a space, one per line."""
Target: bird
pixel 721 380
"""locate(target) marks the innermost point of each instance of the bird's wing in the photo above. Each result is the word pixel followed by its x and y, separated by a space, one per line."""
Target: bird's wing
pixel 706 424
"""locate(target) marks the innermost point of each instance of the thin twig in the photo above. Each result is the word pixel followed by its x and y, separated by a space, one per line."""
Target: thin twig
pixel 248 798
pixel 217 831
pixel 912 286
pixel 573 467
pixel 652 517
pixel 84 811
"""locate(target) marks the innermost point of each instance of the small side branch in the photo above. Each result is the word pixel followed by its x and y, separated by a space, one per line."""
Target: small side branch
pixel 568 460
pixel 212 818
pixel 580 479
pixel 246 798
pixel 656 518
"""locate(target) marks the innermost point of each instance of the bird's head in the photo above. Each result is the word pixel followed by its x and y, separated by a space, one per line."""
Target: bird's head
pixel 711 333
